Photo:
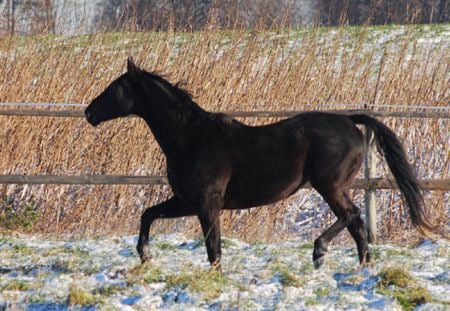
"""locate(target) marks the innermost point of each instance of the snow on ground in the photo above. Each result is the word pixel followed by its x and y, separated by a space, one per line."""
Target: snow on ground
pixel 39 274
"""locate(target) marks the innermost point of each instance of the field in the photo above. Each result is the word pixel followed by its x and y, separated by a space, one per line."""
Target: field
pixel 391 67
pixel 73 247
pixel 48 274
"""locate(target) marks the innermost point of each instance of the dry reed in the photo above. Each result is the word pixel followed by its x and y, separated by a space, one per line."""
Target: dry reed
pixel 305 69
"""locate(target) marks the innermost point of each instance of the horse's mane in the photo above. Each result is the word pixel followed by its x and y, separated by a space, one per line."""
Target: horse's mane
pixel 184 96
pixel 175 88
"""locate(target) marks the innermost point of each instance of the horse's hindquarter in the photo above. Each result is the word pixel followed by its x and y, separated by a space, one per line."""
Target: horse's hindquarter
pixel 268 164
pixel 336 150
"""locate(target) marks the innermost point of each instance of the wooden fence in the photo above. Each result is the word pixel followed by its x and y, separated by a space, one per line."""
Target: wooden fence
pixel 369 183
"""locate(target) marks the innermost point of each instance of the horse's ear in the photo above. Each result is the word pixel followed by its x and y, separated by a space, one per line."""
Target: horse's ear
pixel 131 66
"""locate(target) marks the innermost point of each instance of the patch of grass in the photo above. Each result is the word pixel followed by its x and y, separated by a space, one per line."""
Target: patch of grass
pixel 52 252
pixel 443 252
pixel 407 298
pixel 322 292
pixel 209 283
pixel 108 290
pixel 331 264
pixel 307 267
pixel 275 253
pixel 16 285
pixel 90 268
pixel 16 215
pixel 226 243
pixel 398 283
pixel 287 278
pixel 181 280
pixel 310 301
pixel 307 246
pixel 23 249
pixel 398 252
pixel 64 265
pixel 80 297
pixel 395 276
pixel 259 249
pixel 145 273
pixel 165 246
pixel 76 251
pixel 375 252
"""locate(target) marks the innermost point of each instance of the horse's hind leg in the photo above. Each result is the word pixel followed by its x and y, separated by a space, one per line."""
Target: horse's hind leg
pixel 171 208
pixel 346 214
pixel 359 234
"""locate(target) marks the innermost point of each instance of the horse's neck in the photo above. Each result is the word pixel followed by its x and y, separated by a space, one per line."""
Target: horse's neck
pixel 169 129
pixel 169 116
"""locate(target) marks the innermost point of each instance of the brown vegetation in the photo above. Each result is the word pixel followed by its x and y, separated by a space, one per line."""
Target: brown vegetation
pixel 339 68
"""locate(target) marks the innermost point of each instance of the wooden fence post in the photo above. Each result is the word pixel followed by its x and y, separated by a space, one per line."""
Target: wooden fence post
pixel 369 197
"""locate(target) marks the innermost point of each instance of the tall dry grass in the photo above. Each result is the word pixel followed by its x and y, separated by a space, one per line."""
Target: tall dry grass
pixel 332 68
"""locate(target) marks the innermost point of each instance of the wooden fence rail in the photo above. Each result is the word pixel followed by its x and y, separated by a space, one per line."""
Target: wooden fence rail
pixel 374 183
pixel 240 114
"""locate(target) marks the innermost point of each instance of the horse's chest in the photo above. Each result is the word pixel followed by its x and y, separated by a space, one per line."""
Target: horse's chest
pixel 182 184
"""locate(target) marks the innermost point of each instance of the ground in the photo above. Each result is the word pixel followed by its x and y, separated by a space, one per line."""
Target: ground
pixel 46 274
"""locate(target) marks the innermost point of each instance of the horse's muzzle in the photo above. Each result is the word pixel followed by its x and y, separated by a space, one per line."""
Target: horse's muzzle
pixel 92 119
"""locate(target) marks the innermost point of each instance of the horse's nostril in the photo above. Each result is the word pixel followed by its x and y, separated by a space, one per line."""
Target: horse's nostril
pixel 92 119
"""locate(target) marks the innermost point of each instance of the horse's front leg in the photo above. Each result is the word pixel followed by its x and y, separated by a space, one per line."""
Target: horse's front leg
pixel 209 216
pixel 171 208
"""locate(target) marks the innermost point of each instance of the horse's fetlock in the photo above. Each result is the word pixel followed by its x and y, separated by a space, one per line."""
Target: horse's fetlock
pixel 216 265
pixel 143 251
pixel 320 244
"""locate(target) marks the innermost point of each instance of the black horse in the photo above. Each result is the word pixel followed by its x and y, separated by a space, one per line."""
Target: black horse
pixel 215 162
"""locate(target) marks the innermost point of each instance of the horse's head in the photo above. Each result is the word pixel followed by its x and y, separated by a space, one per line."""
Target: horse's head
pixel 117 100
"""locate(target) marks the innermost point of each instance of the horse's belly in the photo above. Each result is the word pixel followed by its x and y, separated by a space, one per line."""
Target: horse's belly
pixel 268 171
pixel 256 192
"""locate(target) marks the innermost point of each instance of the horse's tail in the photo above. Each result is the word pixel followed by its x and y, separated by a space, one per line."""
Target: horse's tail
pixel 392 149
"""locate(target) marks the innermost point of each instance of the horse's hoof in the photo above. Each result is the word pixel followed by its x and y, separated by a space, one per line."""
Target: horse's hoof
pixel 367 262
pixel 143 253
pixel 368 258
pixel 216 266
pixel 319 262
pixel 145 258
